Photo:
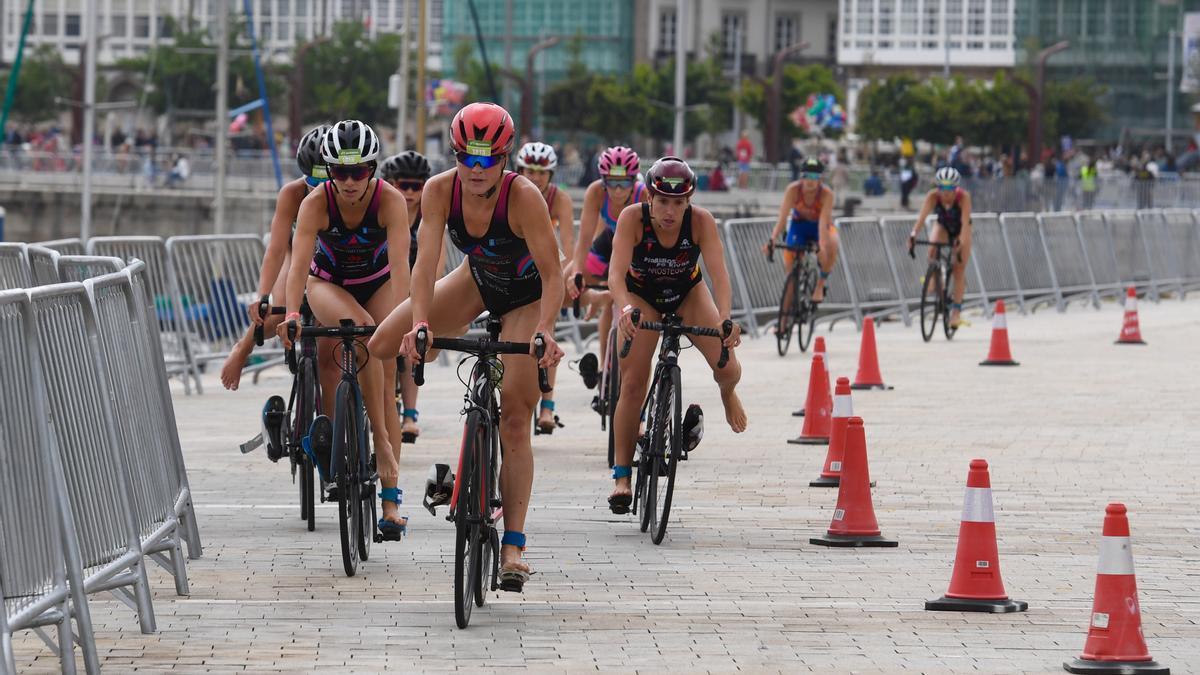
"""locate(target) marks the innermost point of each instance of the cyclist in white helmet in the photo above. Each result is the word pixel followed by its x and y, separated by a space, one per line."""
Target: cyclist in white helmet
pixel 351 248
pixel 952 206
pixel 537 162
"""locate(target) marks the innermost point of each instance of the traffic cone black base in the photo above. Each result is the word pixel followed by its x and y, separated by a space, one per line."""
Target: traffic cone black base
pixel 798 413
pixel 876 387
pixel 1129 342
pixel 840 541
pixel 810 440
pixel 945 604
pixel 998 363
pixel 1115 667
pixel 824 481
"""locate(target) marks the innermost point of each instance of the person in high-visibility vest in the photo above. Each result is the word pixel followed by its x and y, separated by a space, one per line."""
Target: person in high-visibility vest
pixel 1087 183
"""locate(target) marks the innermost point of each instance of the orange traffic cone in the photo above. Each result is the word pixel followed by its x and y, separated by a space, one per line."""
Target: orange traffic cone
pixel 1131 333
pixel 1114 642
pixel 868 376
pixel 815 430
pixel 854 521
pixel 843 410
pixel 998 353
pixel 975 585
pixel 818 348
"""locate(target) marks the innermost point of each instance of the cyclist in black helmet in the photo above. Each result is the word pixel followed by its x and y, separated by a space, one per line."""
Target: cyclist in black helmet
pixel 407 172
pixel 272 279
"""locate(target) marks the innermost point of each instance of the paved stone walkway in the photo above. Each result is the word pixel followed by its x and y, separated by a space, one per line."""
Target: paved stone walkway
pixel 736 586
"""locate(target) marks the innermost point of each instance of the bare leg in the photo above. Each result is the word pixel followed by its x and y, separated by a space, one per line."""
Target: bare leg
pixel 826 259
pixel 408 398
pixel 231 370
pixel 635 380
pixel 699 309
pixel 517 398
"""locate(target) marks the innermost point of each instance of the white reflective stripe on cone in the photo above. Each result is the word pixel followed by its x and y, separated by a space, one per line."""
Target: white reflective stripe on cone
pixel 977 506
pixel 843 406
pixel 1131 304
pixel 1000 320
pixel 825 360
pixel 1115 556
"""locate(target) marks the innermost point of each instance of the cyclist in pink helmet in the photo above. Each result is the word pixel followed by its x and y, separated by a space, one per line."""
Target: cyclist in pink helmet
pixel 619 186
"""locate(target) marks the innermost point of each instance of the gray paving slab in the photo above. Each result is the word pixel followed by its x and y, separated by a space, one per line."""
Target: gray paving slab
pixel 735 587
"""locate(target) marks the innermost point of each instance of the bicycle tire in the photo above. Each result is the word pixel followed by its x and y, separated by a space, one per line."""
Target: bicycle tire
pixel 806 311
pixel 785 321
pixel 308 489
pixel 345 453
pixel 668 430
pixel 613 393
pixel 947 301
pixel 366 490
pixel 467 518
pixel 931 300
pixel 646 474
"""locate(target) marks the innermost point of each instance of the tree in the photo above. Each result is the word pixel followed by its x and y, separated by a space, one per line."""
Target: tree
pixel 988 112
pixel 797 84
pixel 181 74
pixel 43 77
pixel 346 76
pixel 470 71
pixel 1072 108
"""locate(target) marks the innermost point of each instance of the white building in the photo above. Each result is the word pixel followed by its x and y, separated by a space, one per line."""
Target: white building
pixel 766 26
pixel 131 27
pixel 926 34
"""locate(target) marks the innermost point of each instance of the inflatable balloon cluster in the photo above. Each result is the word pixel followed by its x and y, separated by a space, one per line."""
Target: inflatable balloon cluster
pixel 819 114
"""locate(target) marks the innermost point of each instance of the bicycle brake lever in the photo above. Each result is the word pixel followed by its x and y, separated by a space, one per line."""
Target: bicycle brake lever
pixel 539 351
pixel 263 304
pixel 579 287
pixel 726 330
pixel 637 317
pixel 418 368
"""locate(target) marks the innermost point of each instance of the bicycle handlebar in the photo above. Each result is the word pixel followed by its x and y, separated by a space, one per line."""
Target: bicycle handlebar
pixel 264 309
pixel 581 286
pixel 671 327
pixel 478 347
pixel 772 245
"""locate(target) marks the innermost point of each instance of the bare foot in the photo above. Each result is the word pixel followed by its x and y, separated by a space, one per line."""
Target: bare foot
pixel 391 513
pixel 546 419
pixel 818 294
pixel 231 371
pixel 735 414
pixel 622 487
pixel 510 559
pixel 409 426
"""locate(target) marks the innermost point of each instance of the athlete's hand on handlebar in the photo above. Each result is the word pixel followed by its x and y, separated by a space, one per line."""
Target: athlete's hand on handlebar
pixel 768 249
pixel 408 345
pixel 734 338
pixel 551 352
pixel 257 310
pixel 627 323
pixel 574 282
pixel 912 245
pixel 289 331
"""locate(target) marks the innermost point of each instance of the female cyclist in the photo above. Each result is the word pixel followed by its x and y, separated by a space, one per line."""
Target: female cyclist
pixel 407 172
pixel 500 221
pixel 618 187
pixel 656 268
pixel 272 279
pixel 952 206
pixel 807 211
pixel 351 241
pixel 537 162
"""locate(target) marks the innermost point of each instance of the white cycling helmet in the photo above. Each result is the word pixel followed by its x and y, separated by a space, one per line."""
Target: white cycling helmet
pixel 537 156
pixel 350 142
pixel 947 176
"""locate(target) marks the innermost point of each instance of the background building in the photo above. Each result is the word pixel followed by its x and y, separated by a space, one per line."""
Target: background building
pixel 1122 44
pixel 131 27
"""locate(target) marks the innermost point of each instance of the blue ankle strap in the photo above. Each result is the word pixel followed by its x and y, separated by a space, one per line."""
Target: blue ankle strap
pixel 956 305
pixel 824 274
pixel 411 413
pixel 395 495
pixel 512 538
pixel 548 404
pixel 622 472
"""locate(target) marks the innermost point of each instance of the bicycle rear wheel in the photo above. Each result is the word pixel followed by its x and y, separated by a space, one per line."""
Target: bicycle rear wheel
pixel 931 301
pixel 345 453
pixel 786 319
pixel 468 518
pixel 666 443
pixel 806 311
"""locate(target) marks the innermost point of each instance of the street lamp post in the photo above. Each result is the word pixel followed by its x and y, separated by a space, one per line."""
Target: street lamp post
pixel 774 102
pixel 1039 97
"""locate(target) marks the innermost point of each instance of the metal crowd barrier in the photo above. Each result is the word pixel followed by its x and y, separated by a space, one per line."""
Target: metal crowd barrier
pixel 14 268
pixel 162 290
pixel 43 265
pixel 73 246
pixel 1026 258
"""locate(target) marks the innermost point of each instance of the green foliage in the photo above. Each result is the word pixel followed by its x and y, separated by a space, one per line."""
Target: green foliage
pixel 182 78
pixel 798 82
pixel 986 112
pixel 470 71
pixel 43 77
pixel 346 76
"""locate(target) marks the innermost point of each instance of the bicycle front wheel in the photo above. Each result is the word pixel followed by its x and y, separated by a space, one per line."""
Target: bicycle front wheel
pixel 612 390
pixel 305 412
pixel 468 519
pixel 806 312
pixel 931 301
pixel 666 449
pixel 786 319
pixel 345 453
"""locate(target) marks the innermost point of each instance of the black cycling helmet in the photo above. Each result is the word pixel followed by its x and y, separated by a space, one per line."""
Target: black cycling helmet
pixel 812 165
pixel 408 164
pixel 671 176
pixel 308 153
